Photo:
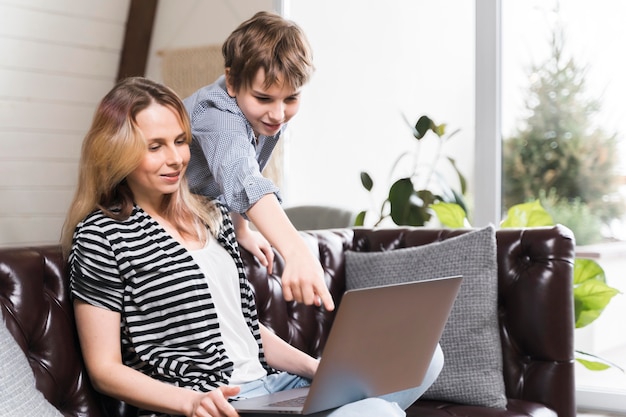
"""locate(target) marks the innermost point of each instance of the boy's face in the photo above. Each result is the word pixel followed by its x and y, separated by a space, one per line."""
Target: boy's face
pixel 267 109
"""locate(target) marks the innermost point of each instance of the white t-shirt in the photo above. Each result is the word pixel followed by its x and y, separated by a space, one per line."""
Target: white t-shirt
pixel 223 280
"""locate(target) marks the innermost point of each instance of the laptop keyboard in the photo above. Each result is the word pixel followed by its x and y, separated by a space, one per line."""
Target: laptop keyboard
pixel 292 402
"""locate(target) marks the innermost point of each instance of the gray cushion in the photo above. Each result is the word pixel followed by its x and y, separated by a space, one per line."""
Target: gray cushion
pixel 472 372
pixel 18 395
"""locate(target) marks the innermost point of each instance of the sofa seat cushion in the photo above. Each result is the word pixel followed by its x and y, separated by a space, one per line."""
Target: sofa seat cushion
pixel 472 372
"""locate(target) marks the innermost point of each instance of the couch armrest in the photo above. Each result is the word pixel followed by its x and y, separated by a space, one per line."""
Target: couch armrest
pixel 35 303
pixel 535 270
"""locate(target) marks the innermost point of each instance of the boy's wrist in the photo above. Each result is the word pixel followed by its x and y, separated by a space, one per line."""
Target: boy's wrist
pixel 240 224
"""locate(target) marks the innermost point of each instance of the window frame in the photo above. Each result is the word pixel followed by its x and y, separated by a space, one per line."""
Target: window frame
pixel 487 113
pixel 488 155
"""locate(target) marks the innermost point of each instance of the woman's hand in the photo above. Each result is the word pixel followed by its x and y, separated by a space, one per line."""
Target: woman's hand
pixel 215 403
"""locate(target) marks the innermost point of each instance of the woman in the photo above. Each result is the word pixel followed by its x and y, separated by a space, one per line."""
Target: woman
pixel 165 314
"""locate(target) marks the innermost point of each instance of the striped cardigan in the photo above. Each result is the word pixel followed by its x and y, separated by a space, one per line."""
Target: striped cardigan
pixel 169 325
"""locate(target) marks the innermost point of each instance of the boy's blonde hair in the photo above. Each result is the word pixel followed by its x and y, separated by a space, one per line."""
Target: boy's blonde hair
pixel 114 147
pixel 268 41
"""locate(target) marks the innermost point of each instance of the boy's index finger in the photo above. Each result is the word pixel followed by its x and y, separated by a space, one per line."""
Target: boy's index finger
pixel 326 299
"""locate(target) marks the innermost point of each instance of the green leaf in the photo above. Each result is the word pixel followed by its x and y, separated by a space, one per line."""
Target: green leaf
pixel 427 197
pixel 449 214
pixel 399 198
pixel 423 125
pixel 586 269
pixel 367 181
pixel 593 365
pixel 415 215
pixel 406 207
pixel 401 191
pixel 590 299
pixel 439 130
pixel 527 215
pixel 360 218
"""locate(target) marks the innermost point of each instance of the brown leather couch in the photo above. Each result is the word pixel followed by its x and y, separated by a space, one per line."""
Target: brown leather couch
pixel 535 286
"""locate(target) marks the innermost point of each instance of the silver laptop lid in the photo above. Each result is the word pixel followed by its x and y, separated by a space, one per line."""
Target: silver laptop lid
pixel 382 341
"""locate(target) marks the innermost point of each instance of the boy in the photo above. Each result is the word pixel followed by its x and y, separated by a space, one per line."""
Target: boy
pixel 236 123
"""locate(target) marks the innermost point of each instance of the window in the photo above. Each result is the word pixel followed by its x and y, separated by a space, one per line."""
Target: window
pixel 564 128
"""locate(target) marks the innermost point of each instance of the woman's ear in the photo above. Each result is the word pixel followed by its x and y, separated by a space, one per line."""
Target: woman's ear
pixel 229 85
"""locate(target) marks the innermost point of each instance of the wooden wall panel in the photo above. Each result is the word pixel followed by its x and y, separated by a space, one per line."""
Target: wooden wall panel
pixel 100 9
pixel 36 202
pixel 59 58
pixel 34 146
pixel 27 174
pixel 57 87
pixel 26 230
pixel 24 114
pixel 70 29
pixel 37 57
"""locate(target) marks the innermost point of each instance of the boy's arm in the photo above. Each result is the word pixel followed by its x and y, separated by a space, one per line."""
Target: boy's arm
pixel 303 277
pixel 253 241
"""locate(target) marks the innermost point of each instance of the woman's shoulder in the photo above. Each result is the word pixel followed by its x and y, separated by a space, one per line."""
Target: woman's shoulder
pixel 94 220
pixel 104 233
pixel 99 217
pixel 102 222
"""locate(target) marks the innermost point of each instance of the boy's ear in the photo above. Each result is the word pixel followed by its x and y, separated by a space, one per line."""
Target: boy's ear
pixel 229 85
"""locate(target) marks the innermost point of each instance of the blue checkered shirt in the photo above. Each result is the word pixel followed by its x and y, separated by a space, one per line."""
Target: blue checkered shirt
pixel 226 159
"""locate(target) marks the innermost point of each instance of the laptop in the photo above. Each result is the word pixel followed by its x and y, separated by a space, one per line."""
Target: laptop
pixel 382 341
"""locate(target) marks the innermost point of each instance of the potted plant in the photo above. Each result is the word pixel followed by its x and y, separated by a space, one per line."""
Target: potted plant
pixel 420 184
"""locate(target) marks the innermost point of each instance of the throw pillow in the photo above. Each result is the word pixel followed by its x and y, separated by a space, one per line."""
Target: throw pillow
pixel 472 372
pixel 18 394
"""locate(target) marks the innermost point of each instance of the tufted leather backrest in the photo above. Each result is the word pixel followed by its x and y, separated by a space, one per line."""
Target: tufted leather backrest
pixel 535 306
pixel 535 302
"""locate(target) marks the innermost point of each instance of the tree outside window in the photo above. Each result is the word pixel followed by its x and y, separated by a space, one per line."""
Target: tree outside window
pixel 560 156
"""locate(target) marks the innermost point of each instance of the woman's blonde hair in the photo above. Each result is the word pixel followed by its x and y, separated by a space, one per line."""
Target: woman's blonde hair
pixel 114 147
pixel 270 42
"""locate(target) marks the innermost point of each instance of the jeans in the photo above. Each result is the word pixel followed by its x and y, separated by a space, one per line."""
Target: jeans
pixel 391 405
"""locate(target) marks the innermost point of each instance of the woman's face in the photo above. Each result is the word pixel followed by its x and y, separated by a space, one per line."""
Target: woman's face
pixel 167 155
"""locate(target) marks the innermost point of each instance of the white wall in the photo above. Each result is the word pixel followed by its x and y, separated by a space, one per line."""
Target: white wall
pixel 58 59
pixel 377 60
